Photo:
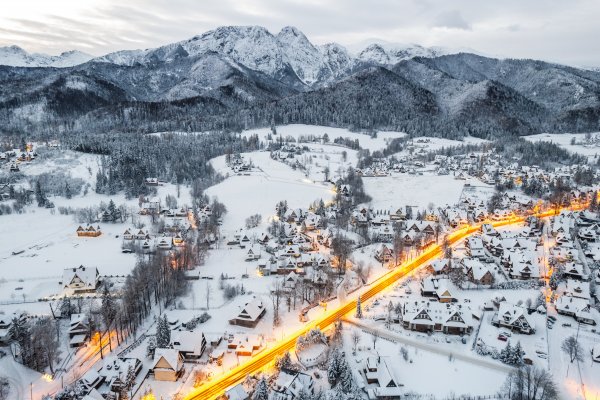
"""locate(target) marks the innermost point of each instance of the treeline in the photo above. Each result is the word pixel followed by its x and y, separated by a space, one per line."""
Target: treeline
pixel 177 158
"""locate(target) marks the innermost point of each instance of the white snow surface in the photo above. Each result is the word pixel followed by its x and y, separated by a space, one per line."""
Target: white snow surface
pixel 298 130
pixel 15 56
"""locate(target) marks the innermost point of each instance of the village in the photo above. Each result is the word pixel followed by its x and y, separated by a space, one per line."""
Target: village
pixel 287 234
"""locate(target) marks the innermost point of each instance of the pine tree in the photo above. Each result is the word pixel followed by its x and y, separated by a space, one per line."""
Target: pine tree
pixel 333 367
pixel 359 313
pixel 130 378
pixel 346 379
pixel 261 391
pixel 66 308
pixel 163 332
pixel 39 194
pixel 68 194
pixel 112 210
pixel 594 202
pixel 108 308
pixel 283 362
pixel 517 357
pixel 150 349
pixel 506 354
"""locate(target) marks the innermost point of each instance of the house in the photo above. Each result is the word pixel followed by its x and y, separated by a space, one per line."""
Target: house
pixel 109 377
pixel 381 379
pixel 167 365
pixel 128 234
pixel 79 329
pixel 573 270
pixel 141 234
pixel 477 272
pixel 244 345
pixel 577 289
pixel 88 231
pixel 475 247
pixel 190 344
pixel 237 392
pixel 513 317
pixel 425 316
pixel 290 281
pixel 290 383
pixel 253 253
pixel 437 288
pixel 383 254
pixel 383 233
pixel 151 181
pixel 150 207
pixel 250 315
pixel 164 243
pixel 6 321
pixel 441 266
pixel 577 308
pixel 81 279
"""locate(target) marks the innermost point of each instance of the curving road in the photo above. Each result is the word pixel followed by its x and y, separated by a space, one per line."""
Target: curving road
pixel 213 389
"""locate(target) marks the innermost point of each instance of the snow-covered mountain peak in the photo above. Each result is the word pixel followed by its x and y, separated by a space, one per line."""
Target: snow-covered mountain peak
pixel 15 56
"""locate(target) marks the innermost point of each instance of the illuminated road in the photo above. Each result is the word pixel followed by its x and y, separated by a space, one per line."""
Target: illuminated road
pixel 213 389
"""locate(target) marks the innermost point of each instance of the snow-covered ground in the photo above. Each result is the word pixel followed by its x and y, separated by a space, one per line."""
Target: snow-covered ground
pixel 414 190
pixel 426 372
pixel 298 130
pixel 434 143
pixel 563 140
pixel 259 191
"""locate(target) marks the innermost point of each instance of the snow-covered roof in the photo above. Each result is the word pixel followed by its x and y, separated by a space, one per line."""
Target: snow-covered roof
pixel 87 275
pixel 237 392
pixel 252 310
pixel 171 356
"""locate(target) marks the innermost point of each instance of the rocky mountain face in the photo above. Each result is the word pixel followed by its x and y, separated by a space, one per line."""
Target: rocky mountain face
pixel 237 77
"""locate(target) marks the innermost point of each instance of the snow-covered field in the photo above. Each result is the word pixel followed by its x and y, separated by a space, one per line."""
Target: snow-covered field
pixel 398 190
pixel 259 192
pixel 434 143
pixel 297 130
pixel 563 140
pixel 426 372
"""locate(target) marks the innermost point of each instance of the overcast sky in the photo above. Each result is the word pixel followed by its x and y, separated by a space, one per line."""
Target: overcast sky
pixel 565 31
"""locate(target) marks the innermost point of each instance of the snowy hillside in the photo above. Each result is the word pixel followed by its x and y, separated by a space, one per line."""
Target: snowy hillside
pixel 15 56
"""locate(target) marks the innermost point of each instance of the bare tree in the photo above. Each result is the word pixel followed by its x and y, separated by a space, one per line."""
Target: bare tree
pixel 276 294
pixel 529 383
pixel 572 347
pixel 208 290
pixel 4 388
pixel 374 339
pixel 355 339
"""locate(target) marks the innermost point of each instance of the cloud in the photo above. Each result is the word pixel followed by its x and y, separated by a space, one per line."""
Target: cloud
pixel 546 29
pixel 451 20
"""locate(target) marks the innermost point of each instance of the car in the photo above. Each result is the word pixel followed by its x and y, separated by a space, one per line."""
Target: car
pixel 550 326
pixel 502 338
pixel 566 325
pixel 541 355
pixel 552 318
pixel 506 333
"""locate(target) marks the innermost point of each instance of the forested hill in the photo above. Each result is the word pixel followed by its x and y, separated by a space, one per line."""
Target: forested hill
pixel 240 77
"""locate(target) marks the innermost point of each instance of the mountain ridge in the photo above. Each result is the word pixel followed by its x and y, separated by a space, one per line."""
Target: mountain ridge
pixel 239 77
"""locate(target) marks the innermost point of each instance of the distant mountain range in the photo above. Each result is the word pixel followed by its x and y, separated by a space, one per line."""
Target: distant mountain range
pixel 237 77
pixel 14 56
